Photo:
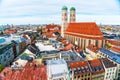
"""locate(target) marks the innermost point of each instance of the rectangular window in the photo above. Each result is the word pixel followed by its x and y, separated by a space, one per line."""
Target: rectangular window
pixel 74 76
pixel 96 43
pixel 81 42
pixel 106 77
pixel 5 59
pixel 118 74
pixel 89 42
pixel 0 57
pixel 84 43
pixel 110 69
pixel 102 43
pixel 81 75
pixel 88 74
pixel 107 73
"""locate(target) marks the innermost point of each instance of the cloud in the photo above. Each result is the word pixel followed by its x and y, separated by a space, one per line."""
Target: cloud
pixel 99 19
pixel 17 11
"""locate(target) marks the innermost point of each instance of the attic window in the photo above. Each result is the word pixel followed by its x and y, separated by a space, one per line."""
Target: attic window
pixel 78 69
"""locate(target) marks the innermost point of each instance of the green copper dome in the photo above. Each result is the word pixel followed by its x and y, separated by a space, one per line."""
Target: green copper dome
pixel 72 9
pixel 64 8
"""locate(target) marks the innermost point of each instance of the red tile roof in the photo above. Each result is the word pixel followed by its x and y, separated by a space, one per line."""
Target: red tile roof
pixel 52 26
pixel 64 41
pixel 29 72
pixel 96 64
pixel 50 29
pixel 67 47
pixel 115 49
pixel 83 65
pixel 93 48
pixel 113 42
pixel 43 28
pixel 48 35
pixel 78 64
pixel 1 78
pixel 85 30
pixel 24 36
pixel 7 31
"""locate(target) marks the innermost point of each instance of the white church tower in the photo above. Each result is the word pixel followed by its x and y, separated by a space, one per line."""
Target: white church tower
pixel 72 15
pixel 64 20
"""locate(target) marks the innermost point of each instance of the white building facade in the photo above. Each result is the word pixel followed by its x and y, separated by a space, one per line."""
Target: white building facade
pixel 57 70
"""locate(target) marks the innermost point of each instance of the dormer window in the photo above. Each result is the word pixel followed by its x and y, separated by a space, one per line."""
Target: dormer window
pixel 78 69
pixel 56 28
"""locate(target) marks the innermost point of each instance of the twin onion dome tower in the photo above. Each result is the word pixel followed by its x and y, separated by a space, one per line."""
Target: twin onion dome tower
pixel 82 34
pixel 65 18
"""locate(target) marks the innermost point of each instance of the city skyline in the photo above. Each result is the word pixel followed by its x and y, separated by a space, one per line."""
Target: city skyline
pixel 43 12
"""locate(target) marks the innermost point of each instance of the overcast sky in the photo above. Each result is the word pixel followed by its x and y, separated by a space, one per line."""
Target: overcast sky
pixel 49 11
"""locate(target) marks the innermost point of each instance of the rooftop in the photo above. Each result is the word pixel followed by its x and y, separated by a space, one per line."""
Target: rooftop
pixel 68 47
pixel 85 30
pixel 96 66
pixel 52 26
pixel 7 39
pixel 79 66
pixel 38 72
pixel 2 40
pixel 115 57
pixel 108 63
pixel 116 49
pixel 48 34
pixel 55 62
pixel 4 47
pixel 93 48
pixel 113 42
pixel 51 30
pixel 46 47
pixel 57 68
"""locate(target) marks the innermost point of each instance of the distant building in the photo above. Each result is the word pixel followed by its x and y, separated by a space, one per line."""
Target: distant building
pixel 113 45
pixel 112 56
pixel 110 69
pixel 97 69
pixel 1 29
pixel 84 34
pixel 79 70
pixel 81 34
pixel 22 44
pixel 6 54
pixel 57 70
pixel 51 31
pixel 10 31
pixel 29 72
pixel 91 52
pixel 50 56
pixel 28 39
pixel 10 47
